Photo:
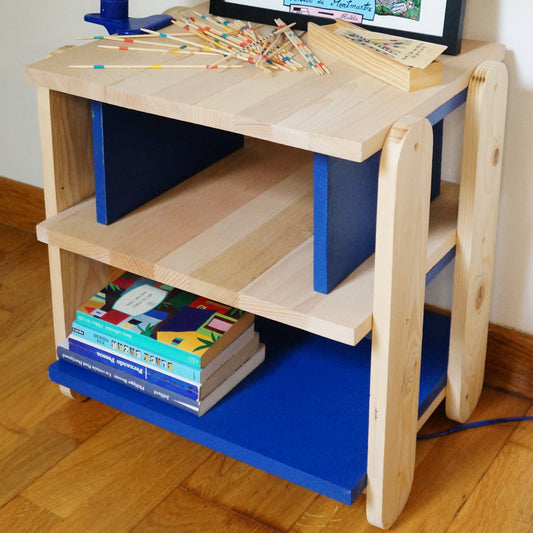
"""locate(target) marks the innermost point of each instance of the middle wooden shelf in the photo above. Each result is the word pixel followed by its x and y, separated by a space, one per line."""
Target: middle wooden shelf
pixel 241 232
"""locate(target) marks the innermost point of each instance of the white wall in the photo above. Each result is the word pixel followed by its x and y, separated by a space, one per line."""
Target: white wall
pixel 34 27
pixel 31 29
pixel 512 298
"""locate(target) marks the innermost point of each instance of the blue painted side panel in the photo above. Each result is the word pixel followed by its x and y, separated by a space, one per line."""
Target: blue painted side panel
pixel 433 273
pixel 302 415
pixel 345 203
pixel 436 165
pixel 446 108
pixel 138 156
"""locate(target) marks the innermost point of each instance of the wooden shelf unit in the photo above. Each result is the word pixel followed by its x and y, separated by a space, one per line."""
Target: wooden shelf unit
pixel 254 210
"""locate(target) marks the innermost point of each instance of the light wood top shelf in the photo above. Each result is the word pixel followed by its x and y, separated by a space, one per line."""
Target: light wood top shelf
pixel 346 114
pixel 241 232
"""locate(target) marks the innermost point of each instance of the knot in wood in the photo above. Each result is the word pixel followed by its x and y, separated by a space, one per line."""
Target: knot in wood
pixel 480 296
pixel 496 156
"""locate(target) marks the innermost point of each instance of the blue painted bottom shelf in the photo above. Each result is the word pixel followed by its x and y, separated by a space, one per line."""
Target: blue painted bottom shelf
pixel 302 415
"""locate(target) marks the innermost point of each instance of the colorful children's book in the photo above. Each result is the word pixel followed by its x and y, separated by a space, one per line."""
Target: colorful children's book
pixel 174 323
pixel 190 389
pixel 198 407
pixel 112 344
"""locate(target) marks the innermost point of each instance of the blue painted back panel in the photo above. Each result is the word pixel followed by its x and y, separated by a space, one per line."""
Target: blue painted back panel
pixel 138 156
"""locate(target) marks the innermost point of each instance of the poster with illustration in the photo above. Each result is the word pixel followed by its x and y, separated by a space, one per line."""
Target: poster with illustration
pixel 438 21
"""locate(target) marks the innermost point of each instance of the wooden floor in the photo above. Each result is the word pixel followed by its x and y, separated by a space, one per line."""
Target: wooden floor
pixel 73 466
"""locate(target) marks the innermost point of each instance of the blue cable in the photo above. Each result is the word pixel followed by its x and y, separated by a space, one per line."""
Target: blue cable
pixel 475 425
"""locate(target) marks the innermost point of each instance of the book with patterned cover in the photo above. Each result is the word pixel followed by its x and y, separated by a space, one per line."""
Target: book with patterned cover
pixel 174 323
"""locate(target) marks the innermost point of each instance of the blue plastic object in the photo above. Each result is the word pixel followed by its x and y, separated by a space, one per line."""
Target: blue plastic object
pixel 114 17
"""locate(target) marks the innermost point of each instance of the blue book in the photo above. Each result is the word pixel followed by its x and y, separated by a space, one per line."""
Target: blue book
pixel 133 368
pixel 149 358
pixel 122 376
pixel 198 407
pixel 138 368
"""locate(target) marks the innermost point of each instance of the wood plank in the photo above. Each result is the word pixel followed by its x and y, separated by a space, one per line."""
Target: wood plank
pixel 505 485
pixel 252 424
pixel 21 205
pixel 130 146
pixel 21 515
pixel 239 248
pixel 333 117
pixel 401 250
pixel 344 217
pixel 65 125
pixel 183 511
pixel 301 110
pixel 109 463
pixel 244 199
pixel 476 236
pixel 190 208
pixel 249 491
pixel 66 147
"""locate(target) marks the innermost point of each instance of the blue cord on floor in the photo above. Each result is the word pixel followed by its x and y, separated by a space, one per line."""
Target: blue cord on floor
pixel 475 425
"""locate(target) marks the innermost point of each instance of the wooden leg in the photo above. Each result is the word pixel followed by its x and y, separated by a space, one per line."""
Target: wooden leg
pixel 401 248
pixel 74 279
pixel 476 234
pixel 68 176
pixel 67 149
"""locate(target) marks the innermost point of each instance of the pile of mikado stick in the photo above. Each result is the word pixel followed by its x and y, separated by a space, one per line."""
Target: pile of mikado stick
pixel 279 49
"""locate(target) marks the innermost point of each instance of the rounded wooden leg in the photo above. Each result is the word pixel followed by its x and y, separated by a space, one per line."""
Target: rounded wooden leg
pixel 73 395
pixel 476 235
pixel 399 286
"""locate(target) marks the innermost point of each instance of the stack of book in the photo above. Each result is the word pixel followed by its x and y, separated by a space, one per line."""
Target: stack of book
pixel 170 344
